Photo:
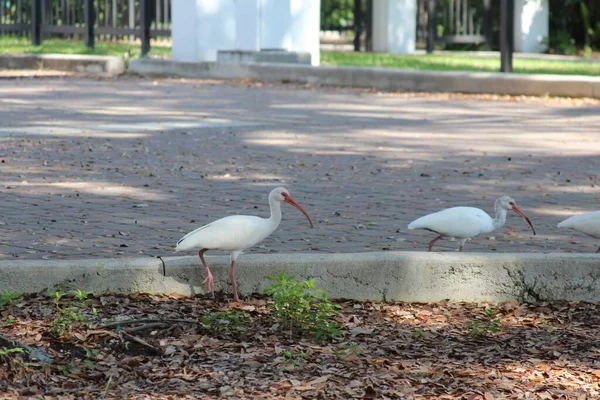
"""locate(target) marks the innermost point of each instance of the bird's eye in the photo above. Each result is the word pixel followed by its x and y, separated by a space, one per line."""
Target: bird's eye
pixel 284 194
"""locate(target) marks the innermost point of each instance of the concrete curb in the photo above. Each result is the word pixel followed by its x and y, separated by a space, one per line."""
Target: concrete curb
pixel 380 78
pixel 64 62
pixel 391 276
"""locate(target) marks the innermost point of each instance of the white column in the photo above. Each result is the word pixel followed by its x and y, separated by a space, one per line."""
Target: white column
pixel 247 25
pixel 531 25
pixel 379 24
pixel 291 25
pixel 395 26
pixel 306 28
pixel 183 31
pixel 276 18
pixel 202 27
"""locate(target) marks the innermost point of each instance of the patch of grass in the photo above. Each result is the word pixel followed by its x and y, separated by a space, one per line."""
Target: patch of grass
pixel 294 358
pixel 457 62
pixel 22 45
pixel 427 62
pixel 219 321
pixel 350 352
pixel 71 316
pixel 546 324
pixel 81 295
pixel 4 351
pixel 8 298
pixel 9 322
pixel 302 308
pixel 488 325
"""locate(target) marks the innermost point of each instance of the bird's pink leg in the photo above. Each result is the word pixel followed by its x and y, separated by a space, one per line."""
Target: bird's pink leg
pixel 460 247
pixel 210 283
pixel 233 285
pixel 433 241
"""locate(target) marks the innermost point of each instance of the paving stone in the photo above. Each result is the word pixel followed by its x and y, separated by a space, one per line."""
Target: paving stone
pixel 83 159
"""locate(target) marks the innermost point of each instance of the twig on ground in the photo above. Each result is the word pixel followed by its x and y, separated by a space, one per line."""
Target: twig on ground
pixel 147 326
pixel 107 387
pixel 103 332
pixel 140 341
pixel 144 320
pixel 8 341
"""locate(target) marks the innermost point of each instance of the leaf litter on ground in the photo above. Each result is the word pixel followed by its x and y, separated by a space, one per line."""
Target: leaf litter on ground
pixel 173 347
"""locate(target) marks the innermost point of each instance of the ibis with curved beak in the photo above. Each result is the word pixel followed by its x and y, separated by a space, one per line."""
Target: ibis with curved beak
pixel 588 223
pixel 464 223
pixel 235 234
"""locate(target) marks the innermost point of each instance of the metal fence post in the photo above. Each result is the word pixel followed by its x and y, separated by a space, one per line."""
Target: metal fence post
pixel 357 23
pixel 89 23
pixel 36 23
pixel 507 16
pixel 145 9
pixel 488 24
pixel 369 38
pixel 431 24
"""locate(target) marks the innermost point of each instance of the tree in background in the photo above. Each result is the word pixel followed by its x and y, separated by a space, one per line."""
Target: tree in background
pixel 574 24
pixel 336 14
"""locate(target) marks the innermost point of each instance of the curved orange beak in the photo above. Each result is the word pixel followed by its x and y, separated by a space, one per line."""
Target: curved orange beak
pixel 522 214
pixel 288 199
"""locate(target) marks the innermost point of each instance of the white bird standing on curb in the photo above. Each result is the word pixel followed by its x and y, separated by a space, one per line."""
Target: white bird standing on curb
pixel 588 223
pixel 464 223
pixel 235 234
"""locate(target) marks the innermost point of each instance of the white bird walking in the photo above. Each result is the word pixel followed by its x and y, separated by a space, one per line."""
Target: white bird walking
pixel 588 223
pixel 235 234
pixel 464 223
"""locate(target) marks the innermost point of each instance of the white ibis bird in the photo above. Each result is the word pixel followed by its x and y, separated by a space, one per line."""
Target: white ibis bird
pixel 588 223
pixel 464 223
pixel 235 234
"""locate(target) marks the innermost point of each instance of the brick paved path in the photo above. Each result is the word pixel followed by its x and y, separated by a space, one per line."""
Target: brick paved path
pixel 100 168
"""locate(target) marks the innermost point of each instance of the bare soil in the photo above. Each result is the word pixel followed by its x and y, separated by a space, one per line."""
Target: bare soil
pixel 167 347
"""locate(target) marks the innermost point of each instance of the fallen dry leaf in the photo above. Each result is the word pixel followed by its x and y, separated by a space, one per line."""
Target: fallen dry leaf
pixel 444 350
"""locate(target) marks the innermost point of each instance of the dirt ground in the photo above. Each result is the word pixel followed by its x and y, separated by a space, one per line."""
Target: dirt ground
pixel 165 347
